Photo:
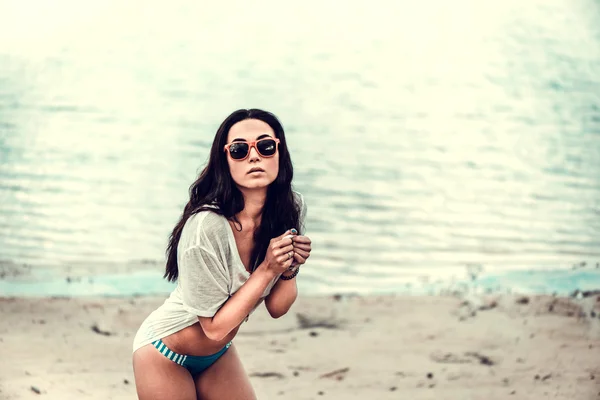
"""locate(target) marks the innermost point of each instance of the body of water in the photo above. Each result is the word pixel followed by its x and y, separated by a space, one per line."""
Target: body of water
pixel 427 138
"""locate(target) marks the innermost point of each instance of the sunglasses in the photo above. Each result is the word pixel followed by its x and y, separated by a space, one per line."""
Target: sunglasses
pixel 239 151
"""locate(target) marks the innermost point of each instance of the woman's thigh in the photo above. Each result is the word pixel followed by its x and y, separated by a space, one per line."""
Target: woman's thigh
pixel 225 379
pixel 157 377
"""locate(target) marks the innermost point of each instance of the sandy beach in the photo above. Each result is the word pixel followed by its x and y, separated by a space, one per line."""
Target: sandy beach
pixel 338 347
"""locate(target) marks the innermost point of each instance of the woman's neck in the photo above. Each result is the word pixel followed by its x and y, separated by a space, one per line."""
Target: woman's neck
pixel 254 201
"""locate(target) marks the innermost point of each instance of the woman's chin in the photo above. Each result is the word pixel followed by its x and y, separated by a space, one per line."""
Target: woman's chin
pixel 256 184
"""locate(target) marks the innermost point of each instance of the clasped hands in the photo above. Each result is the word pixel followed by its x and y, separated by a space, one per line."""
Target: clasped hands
pixel 287 250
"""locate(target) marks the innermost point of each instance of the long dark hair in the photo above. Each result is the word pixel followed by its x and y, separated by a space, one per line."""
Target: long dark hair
pixel 215 187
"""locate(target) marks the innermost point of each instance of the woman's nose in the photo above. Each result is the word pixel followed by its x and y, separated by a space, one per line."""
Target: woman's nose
pixel 253 154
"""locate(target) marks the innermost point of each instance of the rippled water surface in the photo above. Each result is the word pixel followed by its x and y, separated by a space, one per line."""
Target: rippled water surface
pixel 425 137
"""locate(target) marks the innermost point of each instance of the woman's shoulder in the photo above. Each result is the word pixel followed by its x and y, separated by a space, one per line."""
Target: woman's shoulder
pixel 210 221
pixel 302 210
pixel 300 201
pixel 298 198
pixel 208 226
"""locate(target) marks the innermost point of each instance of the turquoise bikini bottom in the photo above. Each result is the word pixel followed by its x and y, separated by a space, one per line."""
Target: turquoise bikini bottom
pixel 194 364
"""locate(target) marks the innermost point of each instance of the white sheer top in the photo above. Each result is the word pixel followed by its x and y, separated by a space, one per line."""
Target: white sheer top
pixel 210 271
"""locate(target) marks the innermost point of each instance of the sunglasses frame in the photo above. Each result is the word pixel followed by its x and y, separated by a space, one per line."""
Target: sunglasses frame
pixel 253 145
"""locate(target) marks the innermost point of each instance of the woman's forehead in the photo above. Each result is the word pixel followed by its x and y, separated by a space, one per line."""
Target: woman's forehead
pixel 249 129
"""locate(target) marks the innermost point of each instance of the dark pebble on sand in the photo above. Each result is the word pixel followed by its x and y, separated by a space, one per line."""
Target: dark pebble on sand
pixel 513 392
pixel 125 381
pixel 296 373
pixel 313 333
pixel 268 375
pixel 393 389
pixel 429 375
pixel 523 300
pixel 99 331
pixel 321 393
pixel 592 314
pixel 537 377
pixel 592 377
pixel 546 377
pixel 35 390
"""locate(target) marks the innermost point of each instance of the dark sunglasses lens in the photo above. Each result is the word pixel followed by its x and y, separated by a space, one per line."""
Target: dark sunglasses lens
pixel 266 147
pixel 238 151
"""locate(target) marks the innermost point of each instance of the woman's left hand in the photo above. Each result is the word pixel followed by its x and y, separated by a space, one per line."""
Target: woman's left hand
pixel 302 248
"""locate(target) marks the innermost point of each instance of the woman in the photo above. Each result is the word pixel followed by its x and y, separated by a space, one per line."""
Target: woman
pixel 235 245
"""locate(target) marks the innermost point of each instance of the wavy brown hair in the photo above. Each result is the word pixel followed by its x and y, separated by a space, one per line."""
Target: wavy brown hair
pixel 215 186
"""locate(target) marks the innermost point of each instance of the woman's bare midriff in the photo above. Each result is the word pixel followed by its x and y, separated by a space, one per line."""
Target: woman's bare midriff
pixel 192 341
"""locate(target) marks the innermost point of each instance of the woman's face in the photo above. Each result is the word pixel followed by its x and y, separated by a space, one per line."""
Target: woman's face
pixel 255 171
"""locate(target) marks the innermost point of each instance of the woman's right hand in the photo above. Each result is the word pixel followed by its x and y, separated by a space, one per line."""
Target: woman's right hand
pixel 280 254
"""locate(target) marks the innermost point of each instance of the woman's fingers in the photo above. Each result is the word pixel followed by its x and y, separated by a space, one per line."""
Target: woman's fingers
pixel 284 234
pixel 290 248
pixel 302 248
pixel 283 250
pixel 288 263
pixel 285 258
pixel 305 247
pixel 301 256
pixel 302 239
pixel 299 259
pixel 280 254
pixel 281 243
pixel 302 253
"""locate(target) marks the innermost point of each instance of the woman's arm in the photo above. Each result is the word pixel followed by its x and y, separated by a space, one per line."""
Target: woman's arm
pixel 281 298
pixel 285 292
pixel 237 308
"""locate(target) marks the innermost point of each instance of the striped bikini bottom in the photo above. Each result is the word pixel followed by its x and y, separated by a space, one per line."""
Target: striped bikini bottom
pixel 194 364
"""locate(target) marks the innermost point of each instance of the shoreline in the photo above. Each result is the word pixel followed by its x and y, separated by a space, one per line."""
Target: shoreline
pixel 146 279
pixel 418 347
